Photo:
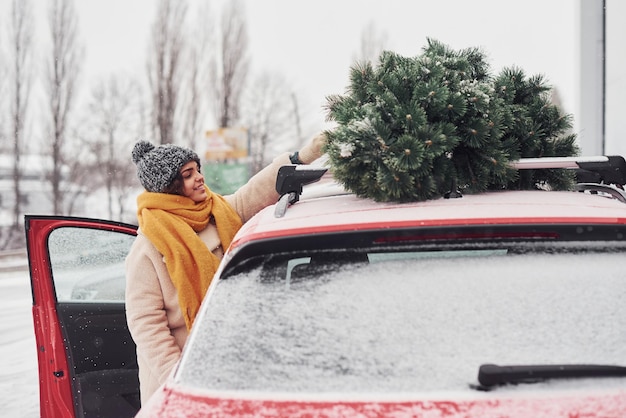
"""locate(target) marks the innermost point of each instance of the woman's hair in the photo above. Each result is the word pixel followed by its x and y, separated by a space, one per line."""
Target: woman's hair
pixel 176 186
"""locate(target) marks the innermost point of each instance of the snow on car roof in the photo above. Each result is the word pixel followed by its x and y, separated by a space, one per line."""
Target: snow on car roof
pixel 318 213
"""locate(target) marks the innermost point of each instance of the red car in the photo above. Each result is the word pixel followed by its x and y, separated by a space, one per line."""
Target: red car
pixel 501 304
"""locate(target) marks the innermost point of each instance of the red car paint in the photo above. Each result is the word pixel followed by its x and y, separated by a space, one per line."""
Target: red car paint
pixel 331 214
pixel 172 401
pixel 55 390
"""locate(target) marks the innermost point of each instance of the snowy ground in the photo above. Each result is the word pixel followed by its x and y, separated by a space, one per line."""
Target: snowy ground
pixel 19 390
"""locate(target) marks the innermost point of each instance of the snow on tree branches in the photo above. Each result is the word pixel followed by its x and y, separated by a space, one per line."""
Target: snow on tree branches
pixel 411 129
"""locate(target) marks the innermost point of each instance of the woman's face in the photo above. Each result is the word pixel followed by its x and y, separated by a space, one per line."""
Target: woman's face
pixel 193 182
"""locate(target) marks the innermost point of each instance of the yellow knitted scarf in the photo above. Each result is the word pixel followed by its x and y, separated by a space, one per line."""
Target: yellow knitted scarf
pixel 171 222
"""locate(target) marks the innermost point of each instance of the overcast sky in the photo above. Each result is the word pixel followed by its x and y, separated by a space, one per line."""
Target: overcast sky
pixel 313 43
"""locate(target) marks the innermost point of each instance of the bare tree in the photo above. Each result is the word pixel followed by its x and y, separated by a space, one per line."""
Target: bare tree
pixel 372 43
pixel 230 65
pixel 62 75
pixel 165 72
pixel 3 70
pixel 81 174
pixel 270 117
pixel 193 110
pixel 113 114
pixel 21 81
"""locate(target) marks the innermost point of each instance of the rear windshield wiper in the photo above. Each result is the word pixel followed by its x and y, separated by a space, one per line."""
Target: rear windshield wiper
pixel 492 375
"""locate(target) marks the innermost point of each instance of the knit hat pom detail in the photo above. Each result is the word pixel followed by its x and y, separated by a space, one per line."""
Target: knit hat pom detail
pixel 140 149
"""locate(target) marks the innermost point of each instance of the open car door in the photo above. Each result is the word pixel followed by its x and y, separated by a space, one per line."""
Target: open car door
pixel 87 359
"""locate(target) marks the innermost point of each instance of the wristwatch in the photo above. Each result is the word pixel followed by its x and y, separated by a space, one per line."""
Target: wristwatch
pixel 295 158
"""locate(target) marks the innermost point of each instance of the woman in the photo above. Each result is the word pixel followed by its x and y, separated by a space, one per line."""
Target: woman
pixel 183 230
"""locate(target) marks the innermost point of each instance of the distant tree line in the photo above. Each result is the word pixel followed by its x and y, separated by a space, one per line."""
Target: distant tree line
pixel 197 76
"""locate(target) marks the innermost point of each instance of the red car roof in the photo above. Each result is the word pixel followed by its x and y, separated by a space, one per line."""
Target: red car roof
pixel 347 212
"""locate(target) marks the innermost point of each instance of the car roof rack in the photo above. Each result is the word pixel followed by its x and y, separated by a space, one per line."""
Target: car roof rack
pixel 596 174
pixel 289 183
pixel 599 169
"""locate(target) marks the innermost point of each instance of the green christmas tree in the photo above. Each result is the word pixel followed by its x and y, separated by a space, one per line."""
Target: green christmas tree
pixel 417 128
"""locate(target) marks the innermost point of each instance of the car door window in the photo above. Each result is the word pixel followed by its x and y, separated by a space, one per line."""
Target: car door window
pixel 88 264
pixel 88 277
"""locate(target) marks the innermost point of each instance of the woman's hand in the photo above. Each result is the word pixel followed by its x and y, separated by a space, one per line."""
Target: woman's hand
pixel 313 150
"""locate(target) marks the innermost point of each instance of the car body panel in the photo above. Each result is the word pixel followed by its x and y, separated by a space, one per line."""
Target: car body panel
pixel 348 212
pixel 503 214
pixel 172 399
pixel 70 333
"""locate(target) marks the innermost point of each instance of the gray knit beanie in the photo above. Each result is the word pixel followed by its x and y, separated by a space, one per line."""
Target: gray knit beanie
pixel 157 167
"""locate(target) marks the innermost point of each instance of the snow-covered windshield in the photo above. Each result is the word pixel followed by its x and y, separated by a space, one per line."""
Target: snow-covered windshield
pixel 408 321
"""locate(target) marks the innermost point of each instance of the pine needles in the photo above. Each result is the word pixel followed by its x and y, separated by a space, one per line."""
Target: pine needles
pixel 411 129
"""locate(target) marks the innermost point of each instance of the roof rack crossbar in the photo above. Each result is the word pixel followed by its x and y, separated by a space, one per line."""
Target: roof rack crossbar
pixel 596 169
pixel 594 174
pixel 555 162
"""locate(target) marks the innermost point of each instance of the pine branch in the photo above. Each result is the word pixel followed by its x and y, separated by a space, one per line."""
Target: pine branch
pixel 417 128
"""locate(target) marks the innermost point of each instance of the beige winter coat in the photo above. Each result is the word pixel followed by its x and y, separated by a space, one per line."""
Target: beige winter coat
pixel 154 317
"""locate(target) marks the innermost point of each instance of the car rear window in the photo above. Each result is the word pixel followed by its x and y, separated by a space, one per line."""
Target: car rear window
pixel 411 318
